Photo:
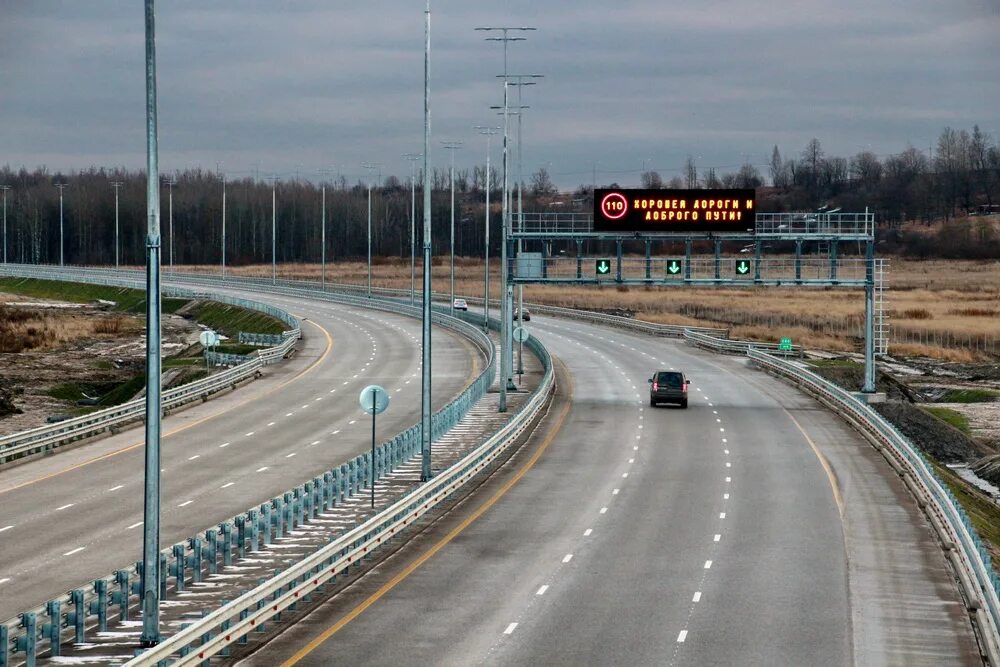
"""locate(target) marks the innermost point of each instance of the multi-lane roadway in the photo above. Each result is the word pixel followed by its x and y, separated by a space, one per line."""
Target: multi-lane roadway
pixel 754 527
pixel 77 515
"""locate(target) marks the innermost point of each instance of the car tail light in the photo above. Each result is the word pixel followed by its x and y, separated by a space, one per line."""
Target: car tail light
pixel 686 386
pixel 655 386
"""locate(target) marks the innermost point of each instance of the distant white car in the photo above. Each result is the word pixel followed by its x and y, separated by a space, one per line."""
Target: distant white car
pixel 460 304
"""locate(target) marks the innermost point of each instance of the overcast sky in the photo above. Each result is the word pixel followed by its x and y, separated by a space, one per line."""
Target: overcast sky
pixel 285 87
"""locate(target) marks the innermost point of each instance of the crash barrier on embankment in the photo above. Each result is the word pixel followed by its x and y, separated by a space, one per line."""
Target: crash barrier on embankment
pixel 87 608
pixel 44 438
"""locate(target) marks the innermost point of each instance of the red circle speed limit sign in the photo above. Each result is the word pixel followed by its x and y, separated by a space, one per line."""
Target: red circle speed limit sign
pixel 614 205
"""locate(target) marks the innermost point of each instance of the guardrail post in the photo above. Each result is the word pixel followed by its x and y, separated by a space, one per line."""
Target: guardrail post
pixel 243 639
pixel 52 630
pixel 327 490
pixel 212 548
pixel 352 481
pixel 227 542
pixel 241 533
pixel 195 544
pixel 28 642
pixel 78 617
pixel 163 576
pixel 177 569
pixel 265 524
pixel 121 595
pixel 100 605
pixel 301 494
pixel 4 646
pixel 287 513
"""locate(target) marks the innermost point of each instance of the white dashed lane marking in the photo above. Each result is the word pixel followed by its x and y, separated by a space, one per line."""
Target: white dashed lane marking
pixel 567 558
pixel 541 591
pixel 510 629
pixel 74 551
pixel 115 488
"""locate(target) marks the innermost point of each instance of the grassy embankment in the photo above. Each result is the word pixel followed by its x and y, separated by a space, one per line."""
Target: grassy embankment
pixel 22 330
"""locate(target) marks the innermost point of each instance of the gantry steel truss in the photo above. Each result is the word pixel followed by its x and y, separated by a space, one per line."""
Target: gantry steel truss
pixel 561 249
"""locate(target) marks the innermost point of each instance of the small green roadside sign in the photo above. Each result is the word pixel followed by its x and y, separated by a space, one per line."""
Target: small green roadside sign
pixel 603 267
pixel 674 267
pixel 785 345
pixel 743 267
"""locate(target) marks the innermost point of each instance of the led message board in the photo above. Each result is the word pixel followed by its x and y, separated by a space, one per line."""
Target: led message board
pixel 627 210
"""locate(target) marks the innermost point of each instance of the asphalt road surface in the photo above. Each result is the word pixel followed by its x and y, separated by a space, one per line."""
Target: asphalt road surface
pixel 77 515
pixel 753 528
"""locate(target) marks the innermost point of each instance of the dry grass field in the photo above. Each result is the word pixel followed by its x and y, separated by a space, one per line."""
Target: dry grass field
pixel 947 310
pixel 33 328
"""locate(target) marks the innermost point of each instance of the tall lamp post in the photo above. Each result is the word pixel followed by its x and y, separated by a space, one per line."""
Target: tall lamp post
pixel 413 157
pixel 274 228
pixel 452 146
pixel 521 83
pixel 506 303
pixel 425 393
pixel 489 132
pixel 61 186
pixel 170 185
pixel 150 581
pixel 223 248
pixel 117 186
pixel 371 167
pixel 4 188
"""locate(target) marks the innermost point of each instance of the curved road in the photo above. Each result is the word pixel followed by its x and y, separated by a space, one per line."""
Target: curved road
pixel 754 527
pixel 76 515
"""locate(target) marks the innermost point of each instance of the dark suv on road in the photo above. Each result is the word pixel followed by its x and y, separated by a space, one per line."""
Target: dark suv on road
pixel 668 387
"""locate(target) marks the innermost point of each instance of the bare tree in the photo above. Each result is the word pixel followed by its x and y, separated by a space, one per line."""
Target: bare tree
pixel 541 183
pixel 651 180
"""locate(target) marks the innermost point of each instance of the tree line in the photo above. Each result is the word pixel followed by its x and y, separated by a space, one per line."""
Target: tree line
pixel 960 174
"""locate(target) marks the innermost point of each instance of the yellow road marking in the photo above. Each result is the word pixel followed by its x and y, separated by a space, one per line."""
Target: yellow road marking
pixel 412 567
pixel 308 369
pixel 823 462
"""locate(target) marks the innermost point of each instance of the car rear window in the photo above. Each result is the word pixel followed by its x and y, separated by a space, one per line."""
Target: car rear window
pixel 670 379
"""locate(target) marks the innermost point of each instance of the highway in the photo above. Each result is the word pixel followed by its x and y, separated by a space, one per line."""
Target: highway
pixel 77 515
pixel 753 528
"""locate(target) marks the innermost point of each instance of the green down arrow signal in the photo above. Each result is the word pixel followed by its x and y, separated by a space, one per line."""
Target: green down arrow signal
pixel 743 267
pixel 603 267
pixel 674 267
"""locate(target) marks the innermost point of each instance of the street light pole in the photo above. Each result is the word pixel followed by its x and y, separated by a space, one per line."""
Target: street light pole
pixel 506 303
pixel 452 146
pixel 425 394
pixel 370 166
pixel 61 186
pixel 223 226
pixel 413 157
pixel 322 241
pixel 150 581
pixel 170 184
pixel 274 229
pixel 116 185
pixel 5 188
pixel 489 132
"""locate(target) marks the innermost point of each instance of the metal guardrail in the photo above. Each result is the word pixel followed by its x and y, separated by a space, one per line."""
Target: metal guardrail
pixel 210 635
pixel 44 438
pixel 88 607
pixel 728 346
pixel 962 544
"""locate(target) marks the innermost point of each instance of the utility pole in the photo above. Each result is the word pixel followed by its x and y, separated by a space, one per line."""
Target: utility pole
pixel 116 185
pixel 170 185
pixel 4 188
pixel 452 146
pixel 150 580
pixel 413 157
pixel 489 132
pixel 274 229
pixel 322 234
pixel 61 186
pixel 370 166
pixel 506 302
pixel 521 83
pixel 425 393
pixel 223 227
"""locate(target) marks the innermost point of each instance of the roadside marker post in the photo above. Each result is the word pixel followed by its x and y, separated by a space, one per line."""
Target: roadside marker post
pixel 374 400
